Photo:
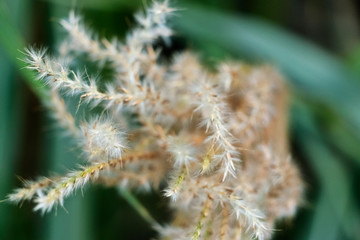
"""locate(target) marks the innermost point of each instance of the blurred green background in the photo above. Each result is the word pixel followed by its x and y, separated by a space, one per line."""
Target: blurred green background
pixel 316 45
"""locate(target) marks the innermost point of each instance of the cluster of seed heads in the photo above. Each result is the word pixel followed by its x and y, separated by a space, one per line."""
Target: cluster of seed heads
pixel 217 139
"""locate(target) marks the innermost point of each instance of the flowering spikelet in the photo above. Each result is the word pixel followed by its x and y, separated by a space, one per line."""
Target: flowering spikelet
pixel 217 139
pixel 103 140
pixel 182 152
pixel 214 110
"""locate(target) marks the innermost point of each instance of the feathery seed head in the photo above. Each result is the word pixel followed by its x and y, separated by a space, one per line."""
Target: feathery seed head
pixel 103 140
pixel 229 174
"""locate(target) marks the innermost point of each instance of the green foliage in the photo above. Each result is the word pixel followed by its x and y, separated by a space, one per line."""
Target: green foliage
pixel 325 86
pixel 325 126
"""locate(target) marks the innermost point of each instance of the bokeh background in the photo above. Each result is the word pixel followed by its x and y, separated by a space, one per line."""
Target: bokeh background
pixel 314 43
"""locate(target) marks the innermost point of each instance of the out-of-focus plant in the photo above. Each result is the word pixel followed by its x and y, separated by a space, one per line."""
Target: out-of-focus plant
pixel 325 115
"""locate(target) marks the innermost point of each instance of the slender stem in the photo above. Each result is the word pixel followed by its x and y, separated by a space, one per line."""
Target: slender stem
pixel 136 204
